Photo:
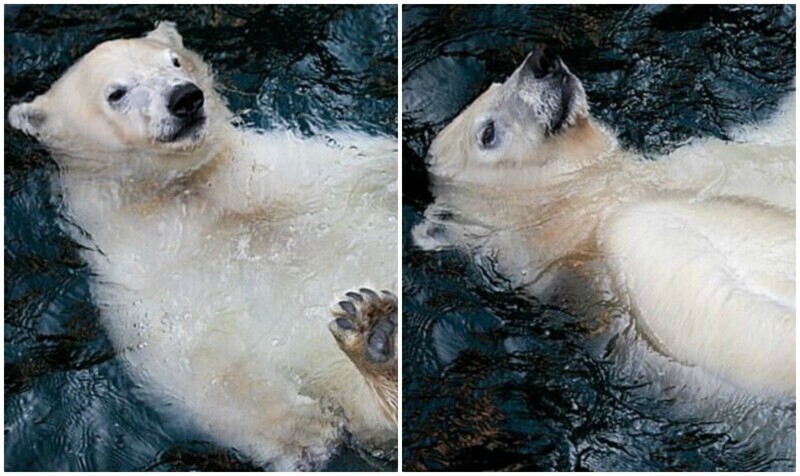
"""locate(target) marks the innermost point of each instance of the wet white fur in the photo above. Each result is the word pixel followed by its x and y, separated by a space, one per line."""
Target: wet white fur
pixel 217 290
pixel 699 246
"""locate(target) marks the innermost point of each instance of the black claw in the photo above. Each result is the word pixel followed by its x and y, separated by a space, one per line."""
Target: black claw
pixel 369 293
pixel 389 295
pixel 344 323
pixel 355 296
pixel 348 307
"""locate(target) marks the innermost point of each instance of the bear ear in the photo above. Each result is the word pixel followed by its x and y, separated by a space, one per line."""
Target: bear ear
pixel 29 117
pixel 166 32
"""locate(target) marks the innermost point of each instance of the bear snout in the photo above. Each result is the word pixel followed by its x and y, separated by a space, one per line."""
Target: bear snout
pixel 546 83
pixel 185 100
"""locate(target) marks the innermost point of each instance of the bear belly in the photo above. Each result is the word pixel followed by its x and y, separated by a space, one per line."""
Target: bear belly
pixel 711 284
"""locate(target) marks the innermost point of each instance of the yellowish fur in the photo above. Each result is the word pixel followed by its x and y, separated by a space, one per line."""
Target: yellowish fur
pixel 215 260
pixel 574 207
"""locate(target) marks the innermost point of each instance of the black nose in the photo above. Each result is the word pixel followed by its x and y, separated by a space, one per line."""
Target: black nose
pixel 185 100
pixel 543 62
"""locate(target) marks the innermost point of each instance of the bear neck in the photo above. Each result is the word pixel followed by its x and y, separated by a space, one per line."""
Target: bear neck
pixel 145 183
pixel 583 145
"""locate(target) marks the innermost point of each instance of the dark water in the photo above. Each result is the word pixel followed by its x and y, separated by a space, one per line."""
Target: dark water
pixel 69 404
pixel 660 75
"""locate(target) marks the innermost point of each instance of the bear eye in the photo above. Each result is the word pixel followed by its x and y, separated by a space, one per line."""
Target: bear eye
pixel 173 58
pixel 116 95
pixel 488 135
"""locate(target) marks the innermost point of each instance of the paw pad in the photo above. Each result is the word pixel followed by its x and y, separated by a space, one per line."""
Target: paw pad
pixel 365 325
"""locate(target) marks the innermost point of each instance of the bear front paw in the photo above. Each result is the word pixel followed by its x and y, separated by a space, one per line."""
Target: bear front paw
pixel 365 327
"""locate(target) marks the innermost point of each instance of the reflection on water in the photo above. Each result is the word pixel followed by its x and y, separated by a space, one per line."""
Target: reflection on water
pixel 69 404
pixel 493 379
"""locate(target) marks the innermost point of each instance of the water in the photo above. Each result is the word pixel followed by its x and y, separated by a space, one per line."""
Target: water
pixel 69 403
pixel 493 379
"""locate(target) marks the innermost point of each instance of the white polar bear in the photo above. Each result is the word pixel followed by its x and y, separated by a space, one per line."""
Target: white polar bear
pixel 216 252
pixel 699 247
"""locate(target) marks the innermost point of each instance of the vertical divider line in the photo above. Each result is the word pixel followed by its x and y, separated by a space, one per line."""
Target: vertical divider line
pixel 400 236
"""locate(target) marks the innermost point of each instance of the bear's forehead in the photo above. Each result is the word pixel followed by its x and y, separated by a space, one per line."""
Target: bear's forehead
pixel 129 51
pixel 480 107
pixel 113 60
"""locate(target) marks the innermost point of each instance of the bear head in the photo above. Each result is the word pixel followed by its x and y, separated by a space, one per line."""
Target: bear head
pixel 136 99
pixel 536 117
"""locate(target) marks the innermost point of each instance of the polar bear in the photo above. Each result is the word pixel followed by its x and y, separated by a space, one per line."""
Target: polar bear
pixel 699 247
pixel 216 251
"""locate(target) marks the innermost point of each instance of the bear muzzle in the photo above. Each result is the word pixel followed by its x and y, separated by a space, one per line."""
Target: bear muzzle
pixel 560 90
pixel 187 118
